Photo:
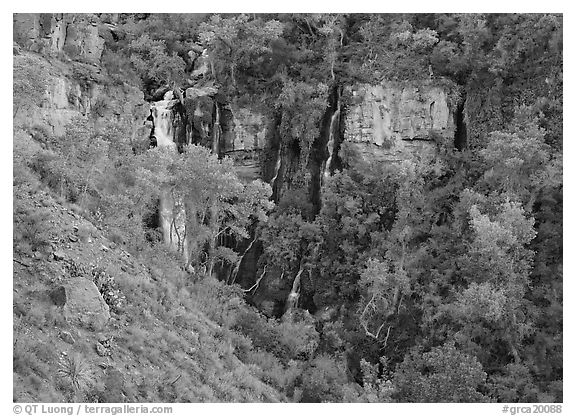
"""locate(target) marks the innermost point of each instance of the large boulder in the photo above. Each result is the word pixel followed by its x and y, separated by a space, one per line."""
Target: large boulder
pixel 85 305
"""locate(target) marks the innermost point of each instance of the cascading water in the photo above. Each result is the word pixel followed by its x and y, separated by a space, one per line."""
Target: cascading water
pixel 167 219
pixel 163 118
pixel 276 169
pixel 239 263
pixel 334 123
pixel 294 295
pixel 216 131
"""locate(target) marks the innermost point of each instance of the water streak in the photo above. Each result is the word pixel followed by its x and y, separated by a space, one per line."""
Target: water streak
pixel 276 169
pixel 334 122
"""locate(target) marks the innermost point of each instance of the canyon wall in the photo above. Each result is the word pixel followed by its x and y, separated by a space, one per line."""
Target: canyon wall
pixel 80 90
pixel 77 36
pixel 388 123
pixel 384 123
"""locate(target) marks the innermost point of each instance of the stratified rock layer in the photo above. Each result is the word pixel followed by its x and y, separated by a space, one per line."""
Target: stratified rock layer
pixel 68 96
pixel 75 35
pixel 393 122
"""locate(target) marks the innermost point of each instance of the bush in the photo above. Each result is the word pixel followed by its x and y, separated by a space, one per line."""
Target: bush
pixel 109 290
pixel 263 333
pixel 74 371
pixel 323 380
pixel 443 374
pixel 32 230
pixel 220 302
pixel 300 339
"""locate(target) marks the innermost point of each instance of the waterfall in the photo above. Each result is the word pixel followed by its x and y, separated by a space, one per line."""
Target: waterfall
pixel 276 169
pixel 216 132
pixel 334 122
pixel 294 295
pixel 167 222
pixel 237 267
pixel 163 118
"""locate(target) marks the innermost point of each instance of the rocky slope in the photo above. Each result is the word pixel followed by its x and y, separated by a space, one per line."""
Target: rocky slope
pixel 130 329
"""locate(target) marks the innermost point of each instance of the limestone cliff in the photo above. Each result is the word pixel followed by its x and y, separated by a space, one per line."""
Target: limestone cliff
pixel 76 36
pixel 77 89
pixel 393 122
pixel 67 49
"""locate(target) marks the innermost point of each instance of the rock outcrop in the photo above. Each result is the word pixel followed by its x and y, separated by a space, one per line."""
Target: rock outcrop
pixel 77 36
pixel 390 122
pixel 81 90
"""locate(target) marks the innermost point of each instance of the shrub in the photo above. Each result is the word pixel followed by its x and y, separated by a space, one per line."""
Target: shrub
pixel 75 371
pixel 323 380
pixel 443 374
pixel 109 290
pixel 262 332
pixel 220 302
pixel 300 338
pixel 31 228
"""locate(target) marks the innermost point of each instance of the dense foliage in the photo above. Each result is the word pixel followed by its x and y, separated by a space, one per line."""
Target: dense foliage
pixel 429 283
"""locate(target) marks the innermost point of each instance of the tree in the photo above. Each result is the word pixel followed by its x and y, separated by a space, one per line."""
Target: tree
pixel 240 47
pixel 207 201
pixel 443 374
pixel 155 64
pixel 519 164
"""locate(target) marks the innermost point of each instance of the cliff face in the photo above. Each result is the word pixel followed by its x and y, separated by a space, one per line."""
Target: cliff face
pixel 384 123
pixel 390 123
pixel 78 36
pixel 75 84
pixel 78 89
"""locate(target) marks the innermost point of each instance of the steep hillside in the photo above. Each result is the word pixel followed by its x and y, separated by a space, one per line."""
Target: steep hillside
pixel 93 322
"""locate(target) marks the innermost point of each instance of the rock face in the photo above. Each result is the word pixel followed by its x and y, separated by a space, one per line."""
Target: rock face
pixel 76 85
pixel 391 123
pixel 246 140
pixel 198 117
pixel 74 35
pixel 79 90
pixel 249 130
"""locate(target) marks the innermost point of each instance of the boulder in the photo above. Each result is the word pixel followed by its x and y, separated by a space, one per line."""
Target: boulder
pixel 67 337
pixel 101 350
pixel 201 91
pixel 85 304
pixel 59 255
